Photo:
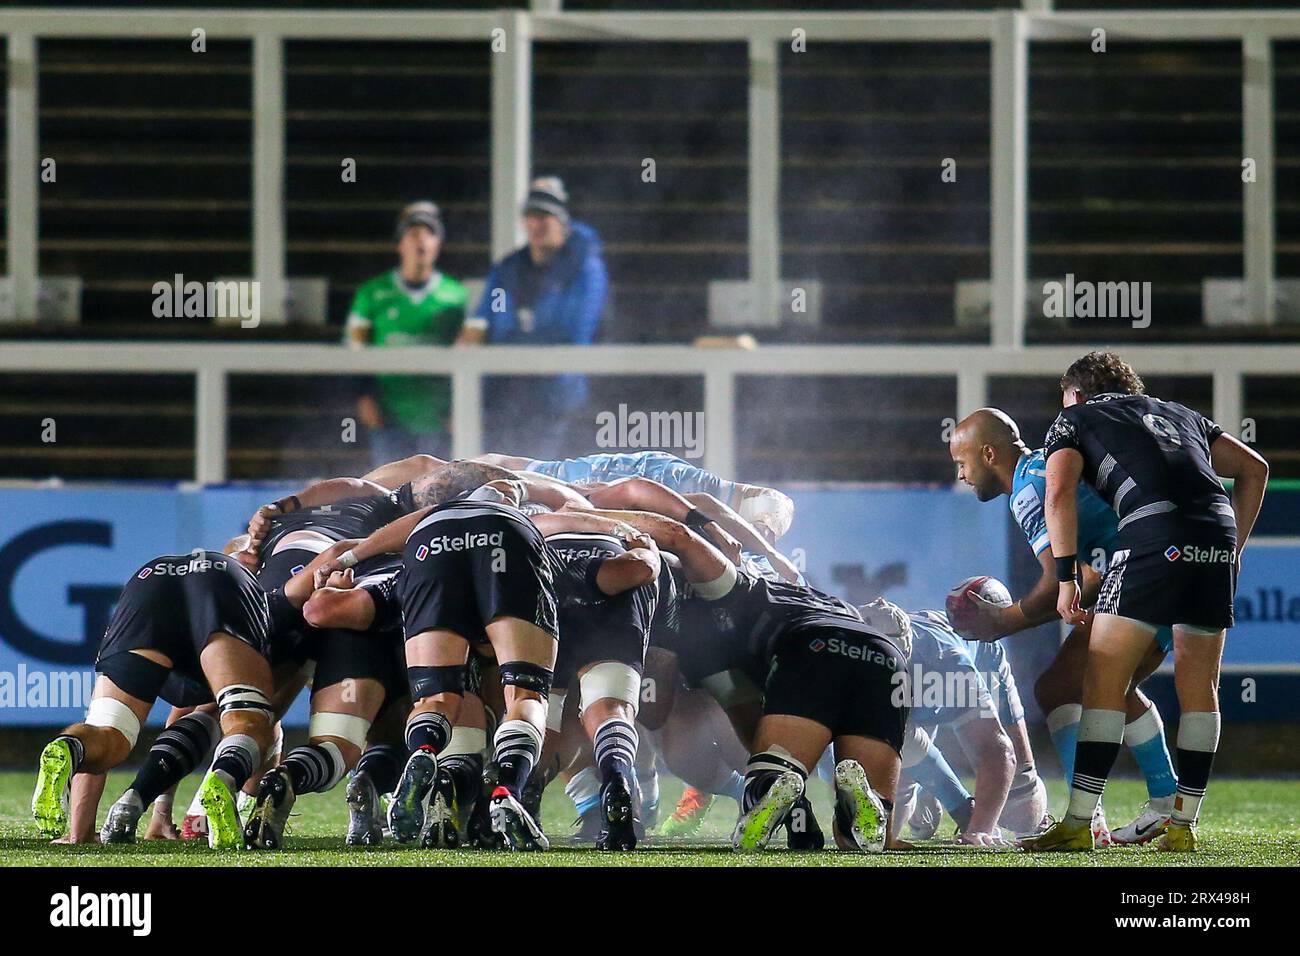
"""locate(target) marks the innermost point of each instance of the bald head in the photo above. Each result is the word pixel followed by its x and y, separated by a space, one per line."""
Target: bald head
pixel 986 446
pixel 990 426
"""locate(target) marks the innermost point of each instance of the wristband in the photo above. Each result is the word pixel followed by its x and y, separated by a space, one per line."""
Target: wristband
pixel 280 505
pixel 348 558
pixel 1067 568
pixel 695 518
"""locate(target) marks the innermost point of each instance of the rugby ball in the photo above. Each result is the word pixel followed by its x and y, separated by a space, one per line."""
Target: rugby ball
pixel 961 613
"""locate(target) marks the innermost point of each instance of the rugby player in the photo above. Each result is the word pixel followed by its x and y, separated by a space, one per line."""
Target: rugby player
pixel 1159 466
pixel 983 720
pixel 765 508
pixel 825 674
pixel 475 570
pixel 371 606
pixel 201 619
pixel 607 586
pixel 994 461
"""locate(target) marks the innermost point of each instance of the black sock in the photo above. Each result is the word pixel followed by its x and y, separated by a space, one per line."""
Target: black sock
pixel 78 750
pixel 314 768
pixel 238 755
pixel 466 772
pixel 761 772
pixel 175 754
pixel 429 730
pixel 615 748
pixel 382 763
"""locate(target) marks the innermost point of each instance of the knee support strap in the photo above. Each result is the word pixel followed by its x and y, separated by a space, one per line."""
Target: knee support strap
pixel 610 679
pixel 111 713
pixel 431 681
pixel 236 698
pixel 347 727
pixel 527 676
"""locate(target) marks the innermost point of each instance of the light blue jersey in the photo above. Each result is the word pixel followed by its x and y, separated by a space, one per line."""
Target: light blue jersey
pixel 1098 532
pixel 669 470
pixel 1098 524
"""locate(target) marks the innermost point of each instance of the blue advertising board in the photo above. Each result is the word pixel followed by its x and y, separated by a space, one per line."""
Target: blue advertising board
pixel 65 552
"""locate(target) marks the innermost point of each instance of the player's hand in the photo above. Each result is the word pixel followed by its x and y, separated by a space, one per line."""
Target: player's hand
pixel 992 841
pixel 987 622
pixel 1067 603
pixel 343 580
pixel 323 572
pixel 260 524
pixel 632 538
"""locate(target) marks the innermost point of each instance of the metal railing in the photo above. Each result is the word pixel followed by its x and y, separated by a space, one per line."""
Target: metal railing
pixel 970 365
pixel 1009 34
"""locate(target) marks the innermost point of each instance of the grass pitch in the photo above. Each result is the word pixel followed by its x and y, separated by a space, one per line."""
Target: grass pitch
pixel 1246 823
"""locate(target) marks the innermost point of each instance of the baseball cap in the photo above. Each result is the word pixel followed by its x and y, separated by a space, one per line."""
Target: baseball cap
pixel 423 213
pixel 547 194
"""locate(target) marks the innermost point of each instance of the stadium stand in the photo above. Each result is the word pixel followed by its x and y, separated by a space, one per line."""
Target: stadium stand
pixel 154 179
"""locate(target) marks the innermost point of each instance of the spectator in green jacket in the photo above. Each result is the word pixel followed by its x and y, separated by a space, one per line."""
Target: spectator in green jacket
pixel 414 304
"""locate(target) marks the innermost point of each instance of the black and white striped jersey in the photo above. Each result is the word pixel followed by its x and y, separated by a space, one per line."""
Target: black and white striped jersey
pixel 1149 460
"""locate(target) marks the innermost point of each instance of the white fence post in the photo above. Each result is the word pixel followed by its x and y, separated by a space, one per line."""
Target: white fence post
pixel 268 172
pixel 764 178
pixel 210 424
pixel 467 413
pixel 1229 399
pixel 720 422
pixel 1258 207
pixel 1009 158
pixel 512 126
pixel 21 235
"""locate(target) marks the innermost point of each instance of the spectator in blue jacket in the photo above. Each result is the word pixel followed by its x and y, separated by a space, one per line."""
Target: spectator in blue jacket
pixel 551 291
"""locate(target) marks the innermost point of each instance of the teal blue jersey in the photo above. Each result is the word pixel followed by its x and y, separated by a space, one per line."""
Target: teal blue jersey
pixel 1097 523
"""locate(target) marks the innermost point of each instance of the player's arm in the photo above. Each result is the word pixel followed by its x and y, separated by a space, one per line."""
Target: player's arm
pixel 399 472
pixel 390 539
pixel 638 565
pixel 552 492
pixel 990 750
pixel 298 589
pixel 646 494
pixel 340 604
pixel 742 531
pixel 1064 468
pixel 702 563
pixel 319 493
pixel 1249 473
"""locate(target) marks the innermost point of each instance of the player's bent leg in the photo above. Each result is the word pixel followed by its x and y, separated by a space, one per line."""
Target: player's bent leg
pixel 526 654
pixel 341 715
pixel 436 671
pixel 785 747
pixel 866 780
pixel 1116 647
pixel 1197 656
pixel 177 752
pixel 96 745
pixel 609 694
pixel 1059 694
pixel 243 683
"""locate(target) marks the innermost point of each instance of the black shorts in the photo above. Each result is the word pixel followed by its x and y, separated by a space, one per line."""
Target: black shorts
pixel 175 604
pixel 617 629
pixel 465 567
pixel 851 682
pixel 1189 582
pixel 356 655
pixel 291 639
